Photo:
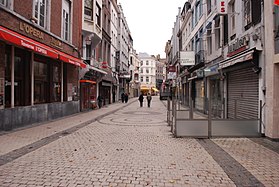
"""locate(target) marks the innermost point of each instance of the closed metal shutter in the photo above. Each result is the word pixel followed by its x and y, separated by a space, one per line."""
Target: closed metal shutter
pixel 243 94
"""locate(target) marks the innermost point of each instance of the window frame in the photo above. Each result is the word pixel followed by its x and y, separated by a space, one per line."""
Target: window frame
pixel 90 9
pixel 66 35
pixel 98 14
pixel 37 18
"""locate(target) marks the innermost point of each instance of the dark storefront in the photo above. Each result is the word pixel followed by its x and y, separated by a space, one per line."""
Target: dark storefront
pixel 38 82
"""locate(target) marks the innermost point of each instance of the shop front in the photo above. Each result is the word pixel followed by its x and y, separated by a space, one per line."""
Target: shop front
pixel 37 82
pixel 242 76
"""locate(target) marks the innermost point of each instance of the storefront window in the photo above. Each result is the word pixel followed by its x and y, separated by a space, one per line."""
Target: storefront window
pixel 41 82
pixel 56 85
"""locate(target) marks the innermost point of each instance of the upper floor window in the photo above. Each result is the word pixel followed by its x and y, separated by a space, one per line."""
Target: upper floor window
pixel 208 6
pixel 147 79
pixel 252 12
pixel 232 20
pixel 40 11
pixel 141 79
pixel 147 70
pixel 66 20
pixel 88 9
pixel 98 14
pixel 147 63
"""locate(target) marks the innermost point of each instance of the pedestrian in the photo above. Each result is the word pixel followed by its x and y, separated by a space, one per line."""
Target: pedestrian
pixel 148 97
pixel 126 97
pixel 100 101
pixel 141 99
pixel 122 97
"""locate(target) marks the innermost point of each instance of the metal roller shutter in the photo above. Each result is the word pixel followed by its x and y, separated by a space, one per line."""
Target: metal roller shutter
pixel 243 94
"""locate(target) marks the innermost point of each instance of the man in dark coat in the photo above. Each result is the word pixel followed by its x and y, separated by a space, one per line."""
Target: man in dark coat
pixel 141 99
pixel 122 97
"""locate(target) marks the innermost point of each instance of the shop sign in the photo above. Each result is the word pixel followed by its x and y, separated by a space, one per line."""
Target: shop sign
pixel 240 44
pixel 222 6
pixel 187 58
pixel 213 70
pixel 171 75
pixel 56 43
pixel 31 30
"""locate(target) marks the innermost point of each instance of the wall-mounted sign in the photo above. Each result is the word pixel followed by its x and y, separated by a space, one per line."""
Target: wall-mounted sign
pixel 31 30
pixel 55 42
pixel 187 58
pixel 222 6
pixel 240 44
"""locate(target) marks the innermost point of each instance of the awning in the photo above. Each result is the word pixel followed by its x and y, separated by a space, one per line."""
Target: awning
pixel 88 81
pixel 96 69
pixel 155 89
pixel 23 41
pixel 20 40
pixel 248 55
pixel 70 59
pixel 144 88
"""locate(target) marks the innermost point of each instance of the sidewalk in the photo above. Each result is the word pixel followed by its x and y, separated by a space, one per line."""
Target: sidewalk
pixel 18 138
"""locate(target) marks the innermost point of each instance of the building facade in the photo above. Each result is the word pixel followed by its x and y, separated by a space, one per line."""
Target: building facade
pixel 40 60
pixel 147 73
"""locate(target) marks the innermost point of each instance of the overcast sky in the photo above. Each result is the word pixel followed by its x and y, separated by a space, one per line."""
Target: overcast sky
pixel 151 23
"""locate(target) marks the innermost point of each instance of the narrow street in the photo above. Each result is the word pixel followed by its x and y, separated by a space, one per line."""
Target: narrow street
pixel 126 145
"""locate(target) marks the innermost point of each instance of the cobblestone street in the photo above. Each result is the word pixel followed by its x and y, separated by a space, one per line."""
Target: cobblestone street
pixel 128 145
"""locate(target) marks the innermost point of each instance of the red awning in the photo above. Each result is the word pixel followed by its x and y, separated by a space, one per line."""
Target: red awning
pixel 70 59
pixel 88 81
pixel 20 40
pixel 17 39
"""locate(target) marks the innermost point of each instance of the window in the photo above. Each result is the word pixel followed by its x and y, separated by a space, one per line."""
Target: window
pixel 141 70
pixel 6 3
pixel 66 20
pixel 147 70
pixel 98 14
pixel 232 5
pixel 88 9
pixel 141 79
pixel 147 63
pixel 40 82
pixel 276 29
pixel 247 13
pixel 209 41
pixel 147 79
pixel 208 6
pixel 40 11
pixel 217 33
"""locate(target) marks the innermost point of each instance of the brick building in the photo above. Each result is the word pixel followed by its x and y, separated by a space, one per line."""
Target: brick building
pixel 40 44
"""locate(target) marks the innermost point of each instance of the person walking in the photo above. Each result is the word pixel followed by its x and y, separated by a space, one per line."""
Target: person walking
pixel 126 97
pixel 141 99
pixel 100 101
pixel 148 97
pixel 122 97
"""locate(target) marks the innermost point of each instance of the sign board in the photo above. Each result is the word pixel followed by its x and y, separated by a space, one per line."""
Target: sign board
pixel 187 58
pixel 222 6
pixel 172 75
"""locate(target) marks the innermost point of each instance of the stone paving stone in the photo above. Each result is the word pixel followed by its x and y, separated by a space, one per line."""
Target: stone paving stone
pixel 130 147
pixel 262 162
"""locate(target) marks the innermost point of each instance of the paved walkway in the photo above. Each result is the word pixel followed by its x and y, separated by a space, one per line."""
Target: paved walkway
pixel 126 145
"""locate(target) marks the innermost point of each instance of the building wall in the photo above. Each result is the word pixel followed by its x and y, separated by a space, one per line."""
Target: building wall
pixel 272 75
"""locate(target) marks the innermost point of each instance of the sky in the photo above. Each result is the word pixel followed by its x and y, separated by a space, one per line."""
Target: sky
pixel 150 23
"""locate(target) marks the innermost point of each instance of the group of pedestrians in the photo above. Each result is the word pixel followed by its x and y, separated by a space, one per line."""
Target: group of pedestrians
pixel 124 97
pixel 148 98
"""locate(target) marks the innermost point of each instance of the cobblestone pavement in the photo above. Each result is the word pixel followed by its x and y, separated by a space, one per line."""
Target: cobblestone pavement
pixel 133 146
